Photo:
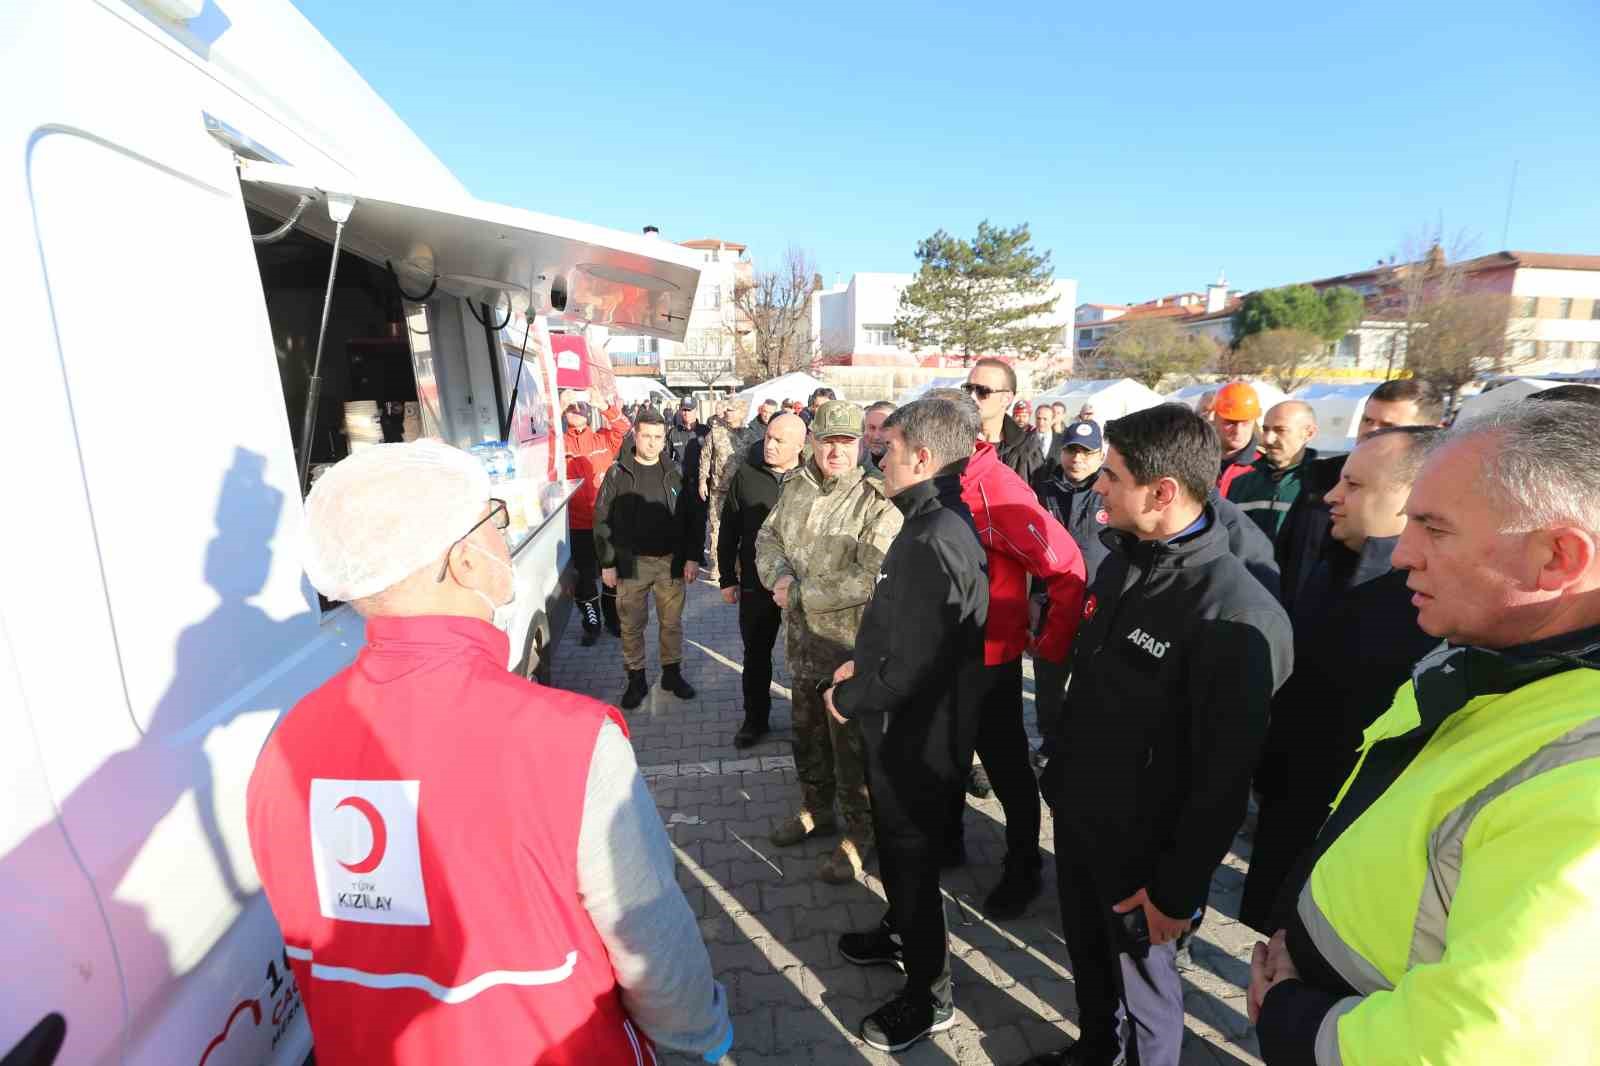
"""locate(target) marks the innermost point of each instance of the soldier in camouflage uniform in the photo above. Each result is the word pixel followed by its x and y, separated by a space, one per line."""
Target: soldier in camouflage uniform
pixel 718 463
pixel 819 552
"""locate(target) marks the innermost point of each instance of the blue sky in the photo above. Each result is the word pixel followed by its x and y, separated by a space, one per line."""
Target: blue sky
pixel 1280 142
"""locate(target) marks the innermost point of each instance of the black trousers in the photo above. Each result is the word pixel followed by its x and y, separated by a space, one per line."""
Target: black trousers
pixel 1285 828
pixel 1049 694
pixel 910 826
pixel 759 621
pixel 1104 978
pixel 588 569
pixel 1002 743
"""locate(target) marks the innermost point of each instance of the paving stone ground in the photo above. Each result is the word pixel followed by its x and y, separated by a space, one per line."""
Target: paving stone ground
pixel 771 926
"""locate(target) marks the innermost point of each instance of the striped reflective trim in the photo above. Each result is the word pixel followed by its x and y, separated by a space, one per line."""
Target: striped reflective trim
pixel 443 993
pixel 627 1029
pixel 1357 972
pixel 1327 1046
pixel 1263 505
pixel 1448 839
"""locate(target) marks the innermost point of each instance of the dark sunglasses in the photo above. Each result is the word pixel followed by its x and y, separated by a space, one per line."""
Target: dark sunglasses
pixel 497 514
pixel 982 392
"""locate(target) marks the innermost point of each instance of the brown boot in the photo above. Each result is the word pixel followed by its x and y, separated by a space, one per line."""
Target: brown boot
pixel 845 862
pixel 802 826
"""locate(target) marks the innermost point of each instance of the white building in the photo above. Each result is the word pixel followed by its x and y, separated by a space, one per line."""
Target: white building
pixel 706 358
pixel 853 324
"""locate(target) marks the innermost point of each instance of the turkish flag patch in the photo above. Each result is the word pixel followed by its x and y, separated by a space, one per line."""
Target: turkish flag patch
pixel 1090 605
pixel 1101 516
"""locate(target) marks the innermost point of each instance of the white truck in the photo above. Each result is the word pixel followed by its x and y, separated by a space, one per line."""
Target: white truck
pixel 184 358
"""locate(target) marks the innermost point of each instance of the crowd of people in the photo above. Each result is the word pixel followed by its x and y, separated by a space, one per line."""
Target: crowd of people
pixel 1392 654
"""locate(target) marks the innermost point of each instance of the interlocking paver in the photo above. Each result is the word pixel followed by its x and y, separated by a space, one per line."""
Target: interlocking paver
pixel 770 925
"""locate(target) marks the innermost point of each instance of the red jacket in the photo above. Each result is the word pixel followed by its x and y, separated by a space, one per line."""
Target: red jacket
pixel 415 821
pixel 1241 465
pixel 1021 539
pixel 590 454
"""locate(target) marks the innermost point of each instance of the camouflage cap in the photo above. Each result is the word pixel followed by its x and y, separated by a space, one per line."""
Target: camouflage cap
pixel 837 418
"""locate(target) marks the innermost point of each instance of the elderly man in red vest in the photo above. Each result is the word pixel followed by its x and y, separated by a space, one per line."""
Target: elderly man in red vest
pixel 466 866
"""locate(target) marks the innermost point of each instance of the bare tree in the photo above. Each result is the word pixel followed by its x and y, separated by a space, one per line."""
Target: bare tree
pixel 1445 331
pixel 1149 350
pixel 772 334
pixel 1289 358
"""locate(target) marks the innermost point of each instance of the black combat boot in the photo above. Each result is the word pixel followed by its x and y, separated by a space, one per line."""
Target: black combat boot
pixel 636 691
pixel 672 680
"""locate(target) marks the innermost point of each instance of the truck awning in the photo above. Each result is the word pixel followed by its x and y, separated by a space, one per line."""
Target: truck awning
pixel 491 253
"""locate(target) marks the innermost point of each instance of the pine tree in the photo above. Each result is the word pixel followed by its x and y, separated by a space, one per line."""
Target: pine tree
pixel 976 298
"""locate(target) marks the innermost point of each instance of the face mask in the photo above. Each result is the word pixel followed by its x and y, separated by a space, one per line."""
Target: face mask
pixel 501 613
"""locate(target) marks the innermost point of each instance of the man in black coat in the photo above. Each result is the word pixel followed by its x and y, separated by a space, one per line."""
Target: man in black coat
pixel 1356 639
pixel 750 498
pixel 914 685
pixel 1173 672
pixel 649 538
pixel 1304 536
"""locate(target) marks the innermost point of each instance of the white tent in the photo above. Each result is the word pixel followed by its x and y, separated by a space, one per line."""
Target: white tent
pixel 1189 395
pixel 638 390
pixel 793 386
pixel 1338 409
pixel 919 391
pixel 1110 398
pixel 1510 392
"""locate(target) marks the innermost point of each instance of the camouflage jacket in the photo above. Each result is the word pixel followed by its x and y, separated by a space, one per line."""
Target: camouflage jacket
pixel 830 535
pixel 720 458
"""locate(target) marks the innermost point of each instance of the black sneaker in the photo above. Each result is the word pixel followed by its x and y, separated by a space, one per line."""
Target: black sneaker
pixel 876 948
pixel 638 688
pixel 978 785
pixel 1018 886
pixel 902 1021
pixel 1080 1054
pixel 749 735
pixel 672 680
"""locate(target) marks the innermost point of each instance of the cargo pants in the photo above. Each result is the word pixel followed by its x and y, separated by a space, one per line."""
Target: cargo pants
pixel 652 575
pixel 830 760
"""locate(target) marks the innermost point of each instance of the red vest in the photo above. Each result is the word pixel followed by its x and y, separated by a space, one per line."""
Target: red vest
pixel 590 454
pixel 415 823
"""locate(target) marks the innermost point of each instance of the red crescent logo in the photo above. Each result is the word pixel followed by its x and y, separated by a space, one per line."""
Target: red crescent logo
pixel 380 835
pixel 255 1015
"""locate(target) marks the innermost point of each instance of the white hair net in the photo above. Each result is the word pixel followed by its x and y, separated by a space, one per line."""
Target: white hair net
pixel 385 512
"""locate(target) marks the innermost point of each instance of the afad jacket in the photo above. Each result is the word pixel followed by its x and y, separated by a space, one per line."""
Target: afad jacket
pixel 1173 674
pixel 620 514
pixel 1021 539
pixel 1453 913
pixel 590 453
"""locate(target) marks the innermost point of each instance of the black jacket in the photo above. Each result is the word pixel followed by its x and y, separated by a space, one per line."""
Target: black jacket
pixel 684 446
pixel 1080 508
pixel 751 496
pixel 1355 642
pixel 1307 529
pixel 1173 672
pixel 622 514
pixel 919 650
pixel 1019 450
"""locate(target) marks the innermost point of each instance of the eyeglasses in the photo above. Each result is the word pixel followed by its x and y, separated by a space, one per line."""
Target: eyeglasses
pixel 497 514
pixel 982 392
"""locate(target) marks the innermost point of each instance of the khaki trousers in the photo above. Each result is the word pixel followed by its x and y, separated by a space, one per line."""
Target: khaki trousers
pixel 830 760
pixel 714 522
pixel 652 574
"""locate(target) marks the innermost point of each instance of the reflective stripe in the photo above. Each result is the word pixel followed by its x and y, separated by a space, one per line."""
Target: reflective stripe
pixel 627 1028
pixel 1257 505
pixel 1448 839
pixel 443 993
pixel 1357 972
pixel 1327 1046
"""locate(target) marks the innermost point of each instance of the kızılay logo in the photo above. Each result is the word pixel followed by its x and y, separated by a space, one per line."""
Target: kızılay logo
pixel 380 835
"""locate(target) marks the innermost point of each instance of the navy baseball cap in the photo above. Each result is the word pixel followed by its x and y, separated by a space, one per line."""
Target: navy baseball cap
pixel 1084 435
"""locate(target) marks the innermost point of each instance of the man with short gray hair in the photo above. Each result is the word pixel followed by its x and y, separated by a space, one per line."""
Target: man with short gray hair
pixel 1273 484
pixel 916 672
pixel 1453 899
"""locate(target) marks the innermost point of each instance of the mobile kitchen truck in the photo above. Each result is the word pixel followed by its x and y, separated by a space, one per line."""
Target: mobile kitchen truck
pixel 228 264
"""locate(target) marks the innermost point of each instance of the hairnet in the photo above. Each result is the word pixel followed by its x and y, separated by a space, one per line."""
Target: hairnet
pixel 385 512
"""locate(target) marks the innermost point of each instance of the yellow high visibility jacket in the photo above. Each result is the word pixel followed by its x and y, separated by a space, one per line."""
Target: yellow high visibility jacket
pixel 1464 903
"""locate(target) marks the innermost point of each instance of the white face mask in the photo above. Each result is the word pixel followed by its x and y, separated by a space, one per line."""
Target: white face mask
pixel 501 613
